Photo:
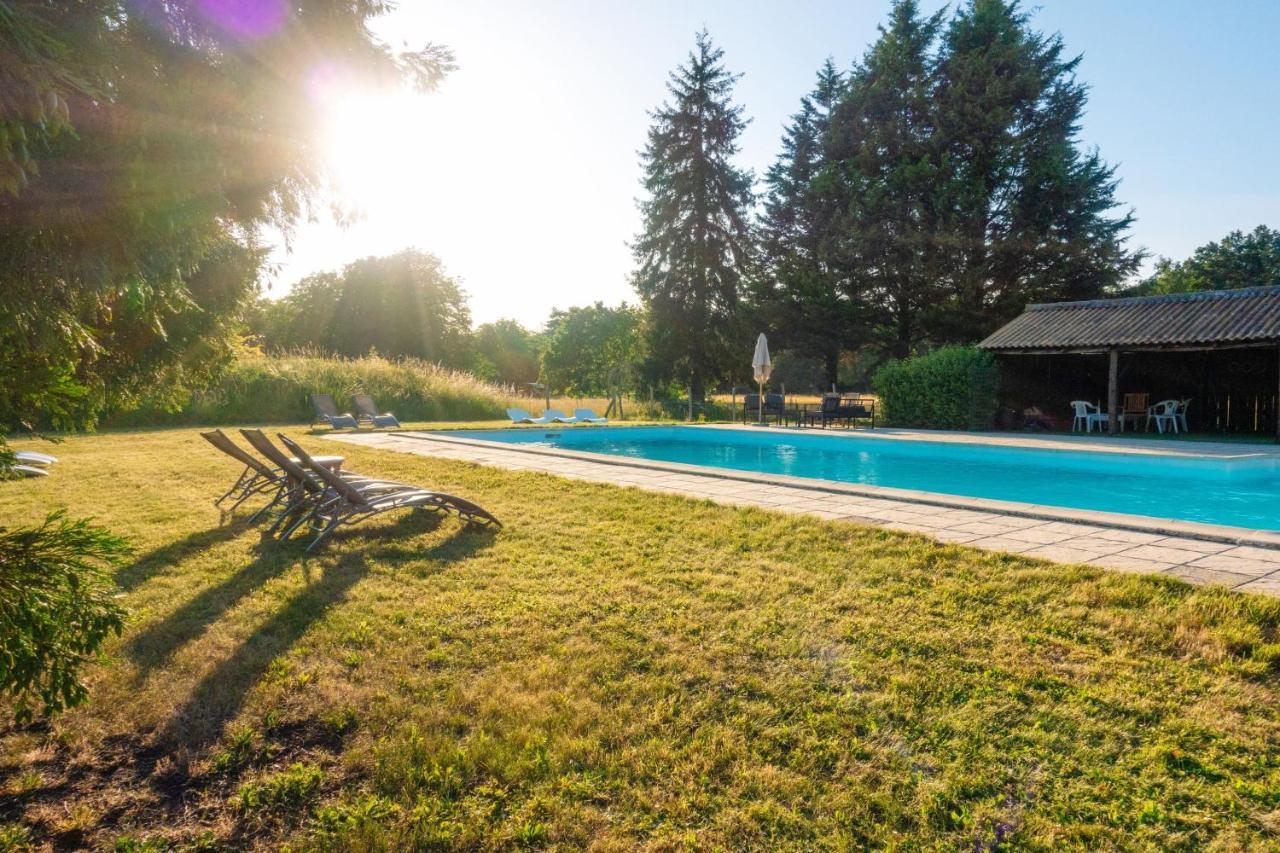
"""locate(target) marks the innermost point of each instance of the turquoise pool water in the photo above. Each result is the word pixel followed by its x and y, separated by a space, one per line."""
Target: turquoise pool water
pixel 1243 492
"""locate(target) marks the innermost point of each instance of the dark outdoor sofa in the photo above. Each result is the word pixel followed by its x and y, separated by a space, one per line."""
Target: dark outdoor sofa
pixel 774 407
pixel 836 408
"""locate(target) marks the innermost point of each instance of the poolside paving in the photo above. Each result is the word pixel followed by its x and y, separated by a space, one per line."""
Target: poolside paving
pixel 1251 568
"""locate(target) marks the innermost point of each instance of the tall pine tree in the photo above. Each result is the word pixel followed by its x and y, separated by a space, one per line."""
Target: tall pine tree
pixel 696 246
pixel 884 176
pixel 954 157
pixel 1029 216
pixel 803 292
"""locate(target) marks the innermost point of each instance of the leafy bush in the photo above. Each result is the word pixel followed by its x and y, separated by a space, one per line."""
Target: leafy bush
pixel 7 460
pixel 56 609
pixel 950 388
pixel 274 389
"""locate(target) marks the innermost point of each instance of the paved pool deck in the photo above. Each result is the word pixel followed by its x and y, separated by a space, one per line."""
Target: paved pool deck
pixel 1241 559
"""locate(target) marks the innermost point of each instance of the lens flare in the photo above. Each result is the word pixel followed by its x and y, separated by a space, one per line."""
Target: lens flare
pixel 246 18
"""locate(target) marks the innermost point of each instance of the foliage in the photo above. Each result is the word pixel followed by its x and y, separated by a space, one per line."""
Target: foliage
pixel 1030 216
pixel 274 389
pixel 951 388
pixel 403 305
pixel 7 459
pixel 592 351
pixel 1238 260
pixel 632 669
pixel 162 149
pixel 928 195
pixel 56 609
pixel 798 373
pixel 506 352
pixel 805 295
pixel 883 174
pixel 37 72
pixel 696 245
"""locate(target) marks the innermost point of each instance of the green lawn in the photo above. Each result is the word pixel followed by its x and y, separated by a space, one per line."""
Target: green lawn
pixel 622 669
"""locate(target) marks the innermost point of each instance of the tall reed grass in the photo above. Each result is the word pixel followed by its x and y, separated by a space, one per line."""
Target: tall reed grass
pixel 260 389
pixel 274 389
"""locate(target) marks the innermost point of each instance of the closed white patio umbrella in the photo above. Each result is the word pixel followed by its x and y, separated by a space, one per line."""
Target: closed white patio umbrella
pixel 761 366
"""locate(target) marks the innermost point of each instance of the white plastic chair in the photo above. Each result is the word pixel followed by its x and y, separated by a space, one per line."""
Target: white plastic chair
pixel 1087 414
pixel 1165 413
pixel 1183 405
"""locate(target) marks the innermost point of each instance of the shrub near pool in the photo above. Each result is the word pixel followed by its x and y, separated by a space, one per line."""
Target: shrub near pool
pixel 951 388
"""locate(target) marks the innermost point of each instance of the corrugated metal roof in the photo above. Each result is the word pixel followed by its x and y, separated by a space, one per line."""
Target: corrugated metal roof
pixel 1221 317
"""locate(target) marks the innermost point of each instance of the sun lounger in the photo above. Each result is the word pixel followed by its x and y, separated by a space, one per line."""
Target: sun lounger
pixel 29 471
pixel 367 410
pixel 31 457
pixel 348 502
pixel 258 477
pixel 307 495
pixel 301 492
pixel 326 411
pixel 588 416
pixel 555 416
pixel 520 416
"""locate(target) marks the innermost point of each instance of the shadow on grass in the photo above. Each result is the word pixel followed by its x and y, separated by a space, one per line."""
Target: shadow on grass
pixel 219 696
pixel 154 645
pixel 148 565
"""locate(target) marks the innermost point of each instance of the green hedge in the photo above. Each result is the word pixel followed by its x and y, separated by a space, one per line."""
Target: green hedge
pixel 951 388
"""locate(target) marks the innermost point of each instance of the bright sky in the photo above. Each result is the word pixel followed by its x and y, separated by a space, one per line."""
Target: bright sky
pixel 521 173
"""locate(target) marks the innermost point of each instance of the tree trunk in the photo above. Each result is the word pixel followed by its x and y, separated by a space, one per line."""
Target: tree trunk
pixel 697 389
pixel 901 347
pixel 832 367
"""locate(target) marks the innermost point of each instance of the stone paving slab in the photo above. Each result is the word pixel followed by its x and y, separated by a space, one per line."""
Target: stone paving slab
pixel 1202 561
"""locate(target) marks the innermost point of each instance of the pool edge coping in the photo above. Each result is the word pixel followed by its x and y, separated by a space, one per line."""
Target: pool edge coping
pixel 1072 443
pixel 1120 521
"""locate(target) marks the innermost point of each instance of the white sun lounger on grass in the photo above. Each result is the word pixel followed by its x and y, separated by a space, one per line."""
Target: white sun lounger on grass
pixel 520 416
pixel 588 416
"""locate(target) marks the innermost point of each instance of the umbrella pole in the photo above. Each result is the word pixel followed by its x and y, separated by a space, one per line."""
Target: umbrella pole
pixel 760 402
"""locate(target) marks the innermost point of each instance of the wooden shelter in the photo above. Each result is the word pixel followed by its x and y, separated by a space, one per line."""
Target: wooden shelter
pixel 1229 329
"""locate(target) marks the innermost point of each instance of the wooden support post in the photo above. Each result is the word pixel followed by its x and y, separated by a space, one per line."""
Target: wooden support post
pixel 1113 392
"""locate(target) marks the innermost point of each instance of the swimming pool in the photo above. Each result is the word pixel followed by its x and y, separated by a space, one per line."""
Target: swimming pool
pixel 1241 491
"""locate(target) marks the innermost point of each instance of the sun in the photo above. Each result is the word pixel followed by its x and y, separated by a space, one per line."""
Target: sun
pixel 382 153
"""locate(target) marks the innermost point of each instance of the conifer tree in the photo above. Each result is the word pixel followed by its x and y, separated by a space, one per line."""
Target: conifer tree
pixel 885 177
pixel 964 191
pixel 802 292
pixel 696 245
pixel 1030 216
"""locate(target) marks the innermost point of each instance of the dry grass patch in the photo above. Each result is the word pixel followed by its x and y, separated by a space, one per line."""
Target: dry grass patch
pixel 620 669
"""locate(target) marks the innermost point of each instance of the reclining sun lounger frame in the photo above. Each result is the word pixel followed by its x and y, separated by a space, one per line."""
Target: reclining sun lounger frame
pixel 352 502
